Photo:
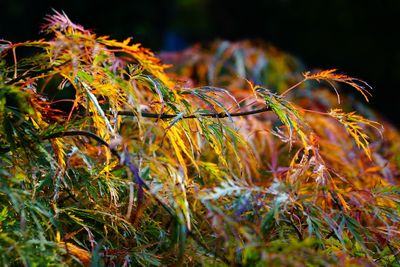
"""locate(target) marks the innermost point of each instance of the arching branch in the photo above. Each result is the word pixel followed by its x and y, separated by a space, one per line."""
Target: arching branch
pixel 192 116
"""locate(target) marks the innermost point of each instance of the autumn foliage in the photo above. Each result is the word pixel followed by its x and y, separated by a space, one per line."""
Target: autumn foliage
pixel 231 154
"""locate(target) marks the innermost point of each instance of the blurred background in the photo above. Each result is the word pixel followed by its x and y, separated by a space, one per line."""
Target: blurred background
pixel 358 37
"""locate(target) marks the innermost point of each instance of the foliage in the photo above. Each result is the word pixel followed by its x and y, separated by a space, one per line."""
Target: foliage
pixel 107 159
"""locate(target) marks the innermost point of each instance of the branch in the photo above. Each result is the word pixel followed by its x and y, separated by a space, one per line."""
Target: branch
pixel 192 116
pixel 74 133
pixel 6 149
pixel 162 116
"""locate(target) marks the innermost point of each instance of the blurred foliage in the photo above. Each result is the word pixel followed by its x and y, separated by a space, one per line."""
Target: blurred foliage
pixel 229 157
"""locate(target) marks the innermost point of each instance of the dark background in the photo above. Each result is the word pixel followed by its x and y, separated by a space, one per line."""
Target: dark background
pixel 358 37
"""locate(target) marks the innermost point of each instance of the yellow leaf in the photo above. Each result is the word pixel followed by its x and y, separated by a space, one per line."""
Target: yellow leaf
pixel 84 256
pixel 343 202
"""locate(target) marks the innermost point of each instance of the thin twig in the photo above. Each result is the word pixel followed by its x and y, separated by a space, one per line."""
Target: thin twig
pixel 293 86
pixel 29 72
pixel 80 133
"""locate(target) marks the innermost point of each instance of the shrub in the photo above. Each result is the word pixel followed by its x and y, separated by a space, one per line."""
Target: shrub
pixel 107 159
